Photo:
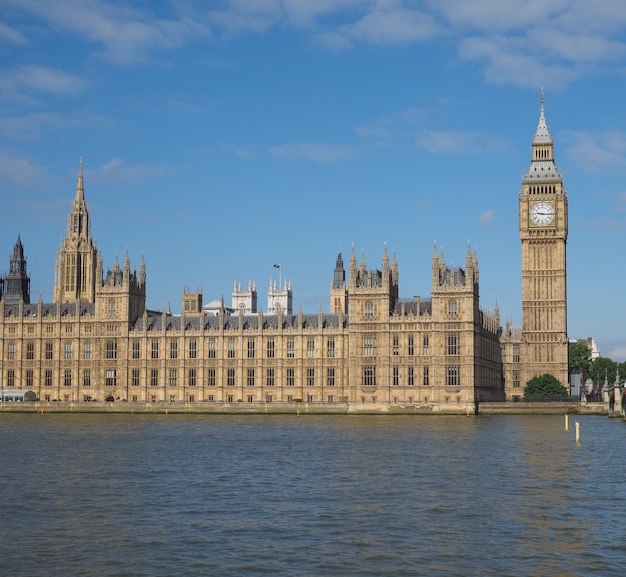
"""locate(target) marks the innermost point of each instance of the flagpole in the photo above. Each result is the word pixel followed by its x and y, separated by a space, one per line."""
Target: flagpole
pixel 280 278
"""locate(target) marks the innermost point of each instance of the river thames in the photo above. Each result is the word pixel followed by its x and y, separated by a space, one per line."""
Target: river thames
pixel 194 495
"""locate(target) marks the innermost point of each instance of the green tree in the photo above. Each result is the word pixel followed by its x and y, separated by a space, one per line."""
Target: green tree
pixel 580 359
pixel 601 369
pixel 545 388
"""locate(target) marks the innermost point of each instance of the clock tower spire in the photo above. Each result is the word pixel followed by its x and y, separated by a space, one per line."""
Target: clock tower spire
pixel 543 233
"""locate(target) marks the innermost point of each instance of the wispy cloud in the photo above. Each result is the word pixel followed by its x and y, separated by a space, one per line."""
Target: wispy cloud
pixel 595 152
pixel 125 34
pixel 19 170
pixel 522 42
pixel 116 171
pixel 456 142
pixel 30 82
pixel 10 35
pixel 32 126
pixel 393 25
pixel 316 152
pixel 487 216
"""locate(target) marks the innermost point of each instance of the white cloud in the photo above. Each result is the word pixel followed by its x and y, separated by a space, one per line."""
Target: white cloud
pixel 453 142
pixel 595 152
pixel 394 26
pixel 308 151
pixel 522 42
pixel 508 61
pixel 116 171
pixel 11 35
pixel 19 171
pixel 487 216
pixel 25 83
pixel 31 126
pixel 125 34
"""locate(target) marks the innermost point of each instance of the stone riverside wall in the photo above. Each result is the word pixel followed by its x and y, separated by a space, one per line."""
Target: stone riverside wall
pixel 300 408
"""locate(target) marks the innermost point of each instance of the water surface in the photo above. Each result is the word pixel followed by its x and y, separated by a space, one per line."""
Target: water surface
pixel 135 495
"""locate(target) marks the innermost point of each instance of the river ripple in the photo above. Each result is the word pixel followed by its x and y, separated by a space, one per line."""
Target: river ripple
pixel 143 495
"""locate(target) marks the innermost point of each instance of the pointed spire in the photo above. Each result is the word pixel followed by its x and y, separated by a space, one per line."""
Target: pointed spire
pixel 352 258
pixel 80 189
pixel 542 136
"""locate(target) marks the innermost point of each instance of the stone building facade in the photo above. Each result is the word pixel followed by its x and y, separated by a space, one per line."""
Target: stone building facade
pixel 97 340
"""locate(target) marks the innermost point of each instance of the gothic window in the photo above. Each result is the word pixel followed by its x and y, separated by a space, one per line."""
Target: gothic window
pixel 251 377
pixel 452 376
pixel 231 348
pixel 330 348
pixel 230 378
pixel 10 378
pixel 396 345
pixel 290 349
pixel 155 350
pixel 110 378
pixel 410 376
pixel 212 348
pixel 134 378
pixel 29 378
pixel 290 378
pixel 516 380
pixel 270 378
pixel 30 351
pixel 310 348
pixel 48 352
pixel 330 377
pixel 111 350
pixel 67 378
pixel 154 377
pixel 516 354
pixel 210 378
pixel 136 346
pixel 426 380
pixel 369 376
pixel 191 377
pixel 173 377
pixel 425 345
pixel 87 351
pixel 411 346
pixel 250 349
pixel 310 377
pixel 369 346
pixel 70 272
pixel 47 380
pixel 453 345
pixel 87 378
pixel 68 351
pixel 10 351
pixel 369 309
pixel 452 308
pixel 270 349
pixel 396 376
pixel 192 350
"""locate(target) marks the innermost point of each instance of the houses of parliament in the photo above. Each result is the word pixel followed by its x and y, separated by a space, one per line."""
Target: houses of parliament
pixel 97 340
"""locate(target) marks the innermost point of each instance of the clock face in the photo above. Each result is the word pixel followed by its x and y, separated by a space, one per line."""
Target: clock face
pixel 542 213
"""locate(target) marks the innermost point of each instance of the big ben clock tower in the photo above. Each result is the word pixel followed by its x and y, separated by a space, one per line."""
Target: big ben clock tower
pixel 543 232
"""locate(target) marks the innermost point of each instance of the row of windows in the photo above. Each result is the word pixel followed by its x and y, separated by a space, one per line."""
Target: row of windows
pixel 111 378
pixel 111 349
pixel 368 377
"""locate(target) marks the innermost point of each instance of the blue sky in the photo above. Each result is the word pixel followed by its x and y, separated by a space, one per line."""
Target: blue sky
pixel 221 137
